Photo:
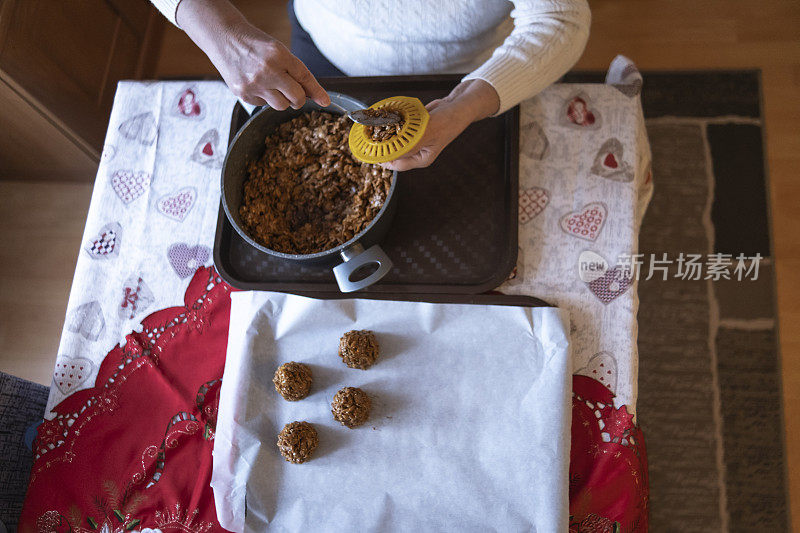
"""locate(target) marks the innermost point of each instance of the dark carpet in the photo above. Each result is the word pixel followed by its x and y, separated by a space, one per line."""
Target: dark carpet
pixel 22 403
pixel 710 397
pixel 709 381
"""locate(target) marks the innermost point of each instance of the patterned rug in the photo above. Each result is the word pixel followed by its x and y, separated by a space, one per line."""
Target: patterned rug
pixel 710 398
pixel 21 404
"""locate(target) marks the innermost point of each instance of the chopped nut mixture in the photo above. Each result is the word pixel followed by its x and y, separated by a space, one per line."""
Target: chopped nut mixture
pixel 307 193
pixel 358 349
pixel 351 406
pixel 383 133
pixel 293 381
pixel 297 441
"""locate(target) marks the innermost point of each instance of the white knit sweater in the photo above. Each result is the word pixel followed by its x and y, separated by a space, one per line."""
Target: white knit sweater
pixel 519 47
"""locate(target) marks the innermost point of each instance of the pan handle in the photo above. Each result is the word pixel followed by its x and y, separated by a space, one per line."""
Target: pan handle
pixel 356 257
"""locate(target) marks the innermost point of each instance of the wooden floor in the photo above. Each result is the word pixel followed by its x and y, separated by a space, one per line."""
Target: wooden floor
pixel 42 224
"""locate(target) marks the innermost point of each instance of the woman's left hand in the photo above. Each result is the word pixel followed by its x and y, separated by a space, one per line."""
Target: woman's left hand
pixel 470 101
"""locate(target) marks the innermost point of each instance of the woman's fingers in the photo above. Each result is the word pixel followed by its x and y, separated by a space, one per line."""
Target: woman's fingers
pixel 419 159
pixel 433 104
pixel 311 86
pixel 275 99
pixel 291 90
pixel 253 100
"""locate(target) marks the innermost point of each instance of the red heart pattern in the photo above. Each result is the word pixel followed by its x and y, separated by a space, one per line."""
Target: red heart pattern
pixel 577 112
pixel 187 104
pixel 532 202
pixel 129 184
pixel 602 367
pixel 587 223
pixel 71 373
pixel 205 151
pixel 609 163
pixel 178 204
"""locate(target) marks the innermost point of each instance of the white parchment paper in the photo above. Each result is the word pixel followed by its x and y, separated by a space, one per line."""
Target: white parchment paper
pixel 469 429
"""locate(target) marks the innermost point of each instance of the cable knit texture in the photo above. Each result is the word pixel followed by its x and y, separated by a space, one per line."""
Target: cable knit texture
pixel 518 47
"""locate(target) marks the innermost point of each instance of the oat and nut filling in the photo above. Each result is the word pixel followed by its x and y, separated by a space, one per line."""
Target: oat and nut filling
pixel 351 407
pixel 307 193
pixel 359 349
pixel 297 441
pixel 383 133
pixel 293 381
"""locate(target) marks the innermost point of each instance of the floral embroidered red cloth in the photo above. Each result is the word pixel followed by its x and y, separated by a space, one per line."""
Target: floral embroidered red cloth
pixel 133 453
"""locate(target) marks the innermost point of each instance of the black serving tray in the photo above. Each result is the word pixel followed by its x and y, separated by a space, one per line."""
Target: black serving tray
pixel 455 230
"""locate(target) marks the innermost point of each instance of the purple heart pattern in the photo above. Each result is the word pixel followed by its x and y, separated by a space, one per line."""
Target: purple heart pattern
pixel 71 373
pixel 602 367
pixel 87 320
pixel 136 297
pixel 141 128
pixel 532 202
pixel 105 244
pixel 536 144
pixel 185 259
pixel 129 184
pixel 187 104
pixel 587 223
pixel 205 151
pixel 178 204
pixel 578 113
pixel 608 162
pixel 610 285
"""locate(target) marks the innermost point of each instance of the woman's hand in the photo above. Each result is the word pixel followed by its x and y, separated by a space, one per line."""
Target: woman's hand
pixel 470 101
pixel 256 67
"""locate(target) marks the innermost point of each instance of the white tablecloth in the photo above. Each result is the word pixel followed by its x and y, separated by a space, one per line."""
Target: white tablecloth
pixel 584 185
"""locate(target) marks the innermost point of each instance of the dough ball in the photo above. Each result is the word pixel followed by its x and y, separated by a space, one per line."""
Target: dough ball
pixel 351 406
pixel 297 442
pixel 293 381
pixel 358 349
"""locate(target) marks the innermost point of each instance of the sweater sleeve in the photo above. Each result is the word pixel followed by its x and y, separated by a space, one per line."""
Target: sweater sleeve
pixel 168 8
pixel 548 39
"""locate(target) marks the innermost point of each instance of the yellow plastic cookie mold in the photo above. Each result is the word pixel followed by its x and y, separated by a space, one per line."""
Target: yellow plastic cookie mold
pixel 416 120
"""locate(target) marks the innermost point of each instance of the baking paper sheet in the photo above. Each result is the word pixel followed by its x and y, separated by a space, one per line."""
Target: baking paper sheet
pixel 469 429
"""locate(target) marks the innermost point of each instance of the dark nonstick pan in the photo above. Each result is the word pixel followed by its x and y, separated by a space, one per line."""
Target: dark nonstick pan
pixel 350 260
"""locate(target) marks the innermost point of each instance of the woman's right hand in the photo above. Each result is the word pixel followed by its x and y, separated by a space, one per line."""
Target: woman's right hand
pixel 256 67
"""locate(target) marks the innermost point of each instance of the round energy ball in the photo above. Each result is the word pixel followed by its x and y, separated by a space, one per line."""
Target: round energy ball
pixel 292 381
pixel 358 349
pixel 351 406
pixel 297 441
